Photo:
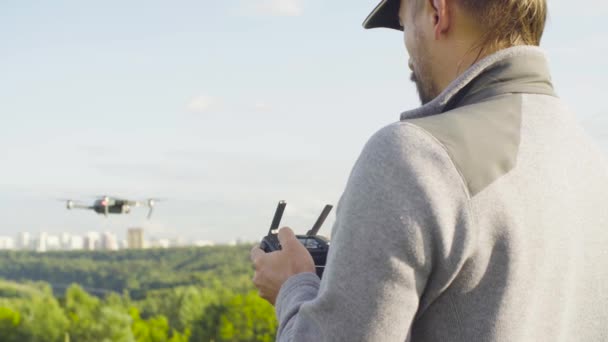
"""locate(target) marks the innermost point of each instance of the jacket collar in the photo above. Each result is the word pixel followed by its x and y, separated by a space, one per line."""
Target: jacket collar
pixel 515 70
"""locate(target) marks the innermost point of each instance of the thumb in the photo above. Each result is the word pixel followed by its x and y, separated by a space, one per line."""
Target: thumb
pixel 287 238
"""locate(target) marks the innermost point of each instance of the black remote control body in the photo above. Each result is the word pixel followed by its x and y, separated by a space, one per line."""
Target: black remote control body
pixel 317 246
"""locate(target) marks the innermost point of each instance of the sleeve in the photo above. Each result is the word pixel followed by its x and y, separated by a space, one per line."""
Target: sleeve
pixel 402 232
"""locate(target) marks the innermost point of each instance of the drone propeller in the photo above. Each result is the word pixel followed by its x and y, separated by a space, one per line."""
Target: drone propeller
pixel 69 204
pixel 74 204
pixel 151 203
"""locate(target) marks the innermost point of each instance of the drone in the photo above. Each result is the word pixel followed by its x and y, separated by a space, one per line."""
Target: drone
pixel 106 205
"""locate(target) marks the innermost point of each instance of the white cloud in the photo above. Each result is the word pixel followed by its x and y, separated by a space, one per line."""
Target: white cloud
pixel 261 106
pixel 283 8
pixel 203 104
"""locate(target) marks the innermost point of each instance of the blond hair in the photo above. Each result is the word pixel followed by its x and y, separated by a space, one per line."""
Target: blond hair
pixel 508 22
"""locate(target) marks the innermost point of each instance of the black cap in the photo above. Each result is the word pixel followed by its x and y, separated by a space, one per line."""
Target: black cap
pixel 386 14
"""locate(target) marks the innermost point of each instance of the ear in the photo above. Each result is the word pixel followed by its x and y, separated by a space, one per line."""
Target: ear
pixel 442 17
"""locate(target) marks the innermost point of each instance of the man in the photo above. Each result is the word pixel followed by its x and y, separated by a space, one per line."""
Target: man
pixel 479 216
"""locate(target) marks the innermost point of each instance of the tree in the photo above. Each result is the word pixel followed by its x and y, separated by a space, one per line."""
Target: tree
pixel 155 329
pixel 42 319
pixel 200 294
pixel 237 318
pixel 9 324
pixel 91 321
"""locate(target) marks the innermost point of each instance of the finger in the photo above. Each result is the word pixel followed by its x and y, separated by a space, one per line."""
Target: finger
pixel 256 253
pixel 287 237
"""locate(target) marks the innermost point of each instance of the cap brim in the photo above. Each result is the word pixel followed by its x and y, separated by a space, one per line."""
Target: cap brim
pixel 386 14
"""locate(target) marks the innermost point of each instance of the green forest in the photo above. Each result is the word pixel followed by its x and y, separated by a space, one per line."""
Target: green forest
pixel 157 295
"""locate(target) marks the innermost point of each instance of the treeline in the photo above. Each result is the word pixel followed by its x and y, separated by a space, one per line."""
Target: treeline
pixel 135 271
pixel 195 294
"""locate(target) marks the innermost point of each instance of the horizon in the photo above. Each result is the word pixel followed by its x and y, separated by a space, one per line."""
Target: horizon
pixel 221 108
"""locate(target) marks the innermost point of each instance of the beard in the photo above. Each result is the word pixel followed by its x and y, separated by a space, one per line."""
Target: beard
pixel 424 85
pixel 420 64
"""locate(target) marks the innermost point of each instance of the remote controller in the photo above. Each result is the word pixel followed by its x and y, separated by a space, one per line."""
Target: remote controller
pixel 317 245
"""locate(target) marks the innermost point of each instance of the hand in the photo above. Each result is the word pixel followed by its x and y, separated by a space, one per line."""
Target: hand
pixel 273 269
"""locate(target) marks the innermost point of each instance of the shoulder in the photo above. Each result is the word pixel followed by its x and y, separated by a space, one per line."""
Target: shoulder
pixel 404 146
pixel 481 139
pixel 402 139
pixel 402 155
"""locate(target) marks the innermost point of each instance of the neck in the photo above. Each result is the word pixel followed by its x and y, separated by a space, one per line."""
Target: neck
pixel 462 56
pixel 531 65
pixel 462 47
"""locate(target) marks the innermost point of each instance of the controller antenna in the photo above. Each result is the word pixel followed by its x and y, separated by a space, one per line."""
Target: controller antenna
pixel 278 214
pixel 315 229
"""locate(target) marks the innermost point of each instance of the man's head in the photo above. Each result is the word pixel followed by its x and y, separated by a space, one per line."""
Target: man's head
pixel 444 37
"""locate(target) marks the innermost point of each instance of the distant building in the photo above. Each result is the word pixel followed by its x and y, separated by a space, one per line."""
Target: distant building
pixel 108 242
pixel 64 240
pixel 7 242
pixel 159 243
pixel 177 242
pixel 237 242
pixel 76 242
pixel 24 241
pixel 41 242
pixel 203 243
pixel 122 244
pixel 135 238
pixel 88 244
pixel 53 243
pixel 91 241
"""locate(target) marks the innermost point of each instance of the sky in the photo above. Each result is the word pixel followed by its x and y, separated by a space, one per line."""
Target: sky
pixel 220 108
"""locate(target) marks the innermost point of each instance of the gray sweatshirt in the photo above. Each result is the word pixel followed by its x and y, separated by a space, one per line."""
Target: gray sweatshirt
pixel 481 216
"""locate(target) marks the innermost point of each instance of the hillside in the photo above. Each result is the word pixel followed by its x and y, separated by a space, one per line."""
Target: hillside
pixel 193 294
pixel 135 271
